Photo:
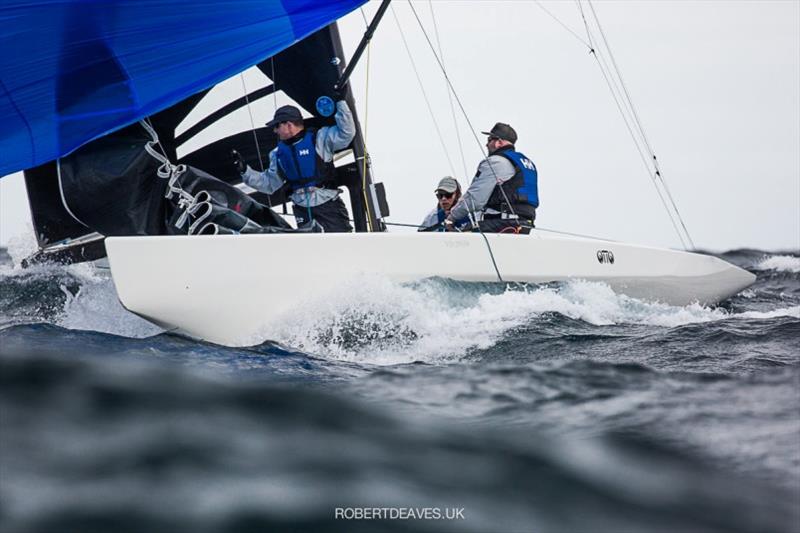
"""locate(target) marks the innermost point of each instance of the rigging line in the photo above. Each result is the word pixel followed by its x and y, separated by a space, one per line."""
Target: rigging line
pixel 252 122
pixel 274 84
pixel 586 25
pixel 274 110
pixel 625 110
pixel 541 6
pixel 623 104
pixel 545 230
pixel 639 125
pixel 491 256
pixel 387 223
pixel 460 105
pixel 447 78
pixel 619 75
pixel 364 142
pixel 617 93
pixel 642 156
pixel 449 95
pixel 637 144
pixel 604 68
pixel 424 93
pixel 617 96
pixel 620 103
pixel 674 206
pixel 147 124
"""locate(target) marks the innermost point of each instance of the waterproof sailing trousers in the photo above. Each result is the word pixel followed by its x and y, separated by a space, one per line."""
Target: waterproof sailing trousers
pixel 332 215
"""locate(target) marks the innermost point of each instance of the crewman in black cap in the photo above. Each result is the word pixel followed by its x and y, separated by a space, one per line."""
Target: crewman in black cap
pixel 304 159
pixel 503 195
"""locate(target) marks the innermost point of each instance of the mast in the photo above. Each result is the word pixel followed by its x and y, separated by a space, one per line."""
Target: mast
pixel 369 193
pixel 370 221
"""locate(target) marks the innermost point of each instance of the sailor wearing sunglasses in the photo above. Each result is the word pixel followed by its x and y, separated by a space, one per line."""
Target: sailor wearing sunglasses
pixel 448 192
pixel 503 195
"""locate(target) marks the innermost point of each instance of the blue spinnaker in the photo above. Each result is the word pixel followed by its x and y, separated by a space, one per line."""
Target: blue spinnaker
pixel 73 71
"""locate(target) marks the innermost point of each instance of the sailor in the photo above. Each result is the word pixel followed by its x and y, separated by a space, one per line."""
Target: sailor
pixel 503 195
pixel 447 194
pixel 303 158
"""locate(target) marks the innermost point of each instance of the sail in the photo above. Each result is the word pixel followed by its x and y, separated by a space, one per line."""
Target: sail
pixel 71 72
pixel 304 71
pixel 78 199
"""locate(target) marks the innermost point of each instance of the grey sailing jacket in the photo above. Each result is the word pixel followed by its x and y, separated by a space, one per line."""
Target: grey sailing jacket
pixel 432 218
pixel 329 140
pixel 491 171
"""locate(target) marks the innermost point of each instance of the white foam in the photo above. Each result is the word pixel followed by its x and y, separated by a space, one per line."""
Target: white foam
pixel 96 307
pixel 22 245
pixel 378 321
pixel 793 312
pixel 434 322
pixel 780 263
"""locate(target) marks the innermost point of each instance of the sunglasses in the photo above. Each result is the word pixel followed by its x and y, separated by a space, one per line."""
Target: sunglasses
pixel 441 195
pixel 491 139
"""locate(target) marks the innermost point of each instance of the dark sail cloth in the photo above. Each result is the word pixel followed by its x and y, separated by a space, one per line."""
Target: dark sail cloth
pixel 110 185
pixel 113 187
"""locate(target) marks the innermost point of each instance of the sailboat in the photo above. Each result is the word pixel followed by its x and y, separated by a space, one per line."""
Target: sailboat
pixel 90 111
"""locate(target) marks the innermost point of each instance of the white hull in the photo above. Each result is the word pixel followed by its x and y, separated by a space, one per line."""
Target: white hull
pixel 227 288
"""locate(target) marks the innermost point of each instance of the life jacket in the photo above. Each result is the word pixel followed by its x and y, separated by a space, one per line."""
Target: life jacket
pixel 301 166
pixel 521 190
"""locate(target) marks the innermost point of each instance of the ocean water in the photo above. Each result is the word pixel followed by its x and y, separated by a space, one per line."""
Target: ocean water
pixel 556 408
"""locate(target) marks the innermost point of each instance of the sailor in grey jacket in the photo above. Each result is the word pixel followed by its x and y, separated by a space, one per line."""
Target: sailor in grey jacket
pixel 329 140
pixel 303 158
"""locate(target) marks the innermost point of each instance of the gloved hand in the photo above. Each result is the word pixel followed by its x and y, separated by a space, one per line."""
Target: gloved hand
pixel 238 162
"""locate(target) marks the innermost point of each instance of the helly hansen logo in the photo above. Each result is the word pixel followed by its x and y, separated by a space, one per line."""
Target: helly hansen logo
pixel 304 151
pixel 527 163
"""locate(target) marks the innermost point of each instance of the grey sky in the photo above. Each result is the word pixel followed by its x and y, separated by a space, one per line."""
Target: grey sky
pixel 716 85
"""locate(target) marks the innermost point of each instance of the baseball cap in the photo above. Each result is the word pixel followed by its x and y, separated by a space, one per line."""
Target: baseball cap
pixel 284 114
pixel 447 184
pixel 502 131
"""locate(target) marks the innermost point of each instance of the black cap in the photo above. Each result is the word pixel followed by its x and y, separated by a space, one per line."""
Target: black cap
pixel 503 131
pixel 285 114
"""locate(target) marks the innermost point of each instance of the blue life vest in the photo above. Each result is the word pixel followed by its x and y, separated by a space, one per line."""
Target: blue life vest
pixel 521 190
pixel 301 166
pixel 461 223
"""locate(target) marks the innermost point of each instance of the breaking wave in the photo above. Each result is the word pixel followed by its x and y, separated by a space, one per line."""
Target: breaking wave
pixel 80 297
pixel 375 320
pixel 780 263
pixel 438 321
